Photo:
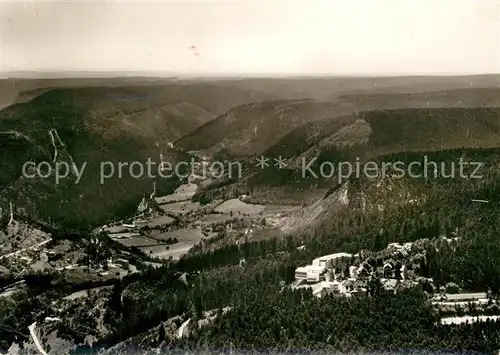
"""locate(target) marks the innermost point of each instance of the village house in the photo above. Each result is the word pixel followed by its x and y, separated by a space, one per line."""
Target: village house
pixel 388 272
pixel 124 264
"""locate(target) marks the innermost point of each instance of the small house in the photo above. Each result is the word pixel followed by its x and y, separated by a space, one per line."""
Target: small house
pixel 388 272
pixel 125 264
pixel 364 270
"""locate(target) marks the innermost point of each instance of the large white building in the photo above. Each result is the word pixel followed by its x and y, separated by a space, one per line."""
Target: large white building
pixel 328 260
pixel 315 272
pixel 311 273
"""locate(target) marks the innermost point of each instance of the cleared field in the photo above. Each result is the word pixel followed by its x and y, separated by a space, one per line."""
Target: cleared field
pixel 161 236
pixel 163 253
pixel 280 209
pixel 237 207
pixel 116 229
pixel 137 241
pixel 182 193
pixel 20 235
pixel 84 293
pixel 187 238
pixel 180 208
pixel 119 236
pixel 216 218
pixel 79 275
pixel 40 265
pixel 160 221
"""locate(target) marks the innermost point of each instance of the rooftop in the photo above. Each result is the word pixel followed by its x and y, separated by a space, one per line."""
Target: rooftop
pixel 310 268
pixel 334 256
pixel 466 296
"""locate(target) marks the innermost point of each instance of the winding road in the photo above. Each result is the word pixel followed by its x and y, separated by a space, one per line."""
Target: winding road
pixel 35 338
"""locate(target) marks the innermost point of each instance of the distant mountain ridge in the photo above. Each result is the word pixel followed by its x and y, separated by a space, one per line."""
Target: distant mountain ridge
pixel 254 128
pixel 467 97
pixel 251 128
pixel 321 88
pixel 93 129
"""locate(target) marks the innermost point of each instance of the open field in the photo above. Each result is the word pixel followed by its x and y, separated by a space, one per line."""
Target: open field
pixel 155 244
pixel 180 234
pixel 159 221
pixel 84 293
pixel 137 241
pixel 80 275
pixel 180 208
pixel 216 218
pixel 238 207
pixel 120 236
pixel 162 252
pixel 187 238
pixel 182 193
pixel 18 236
pixel 116 229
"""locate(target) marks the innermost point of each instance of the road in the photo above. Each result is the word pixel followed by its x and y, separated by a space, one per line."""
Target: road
pixel 35 338
pixel 24 249
pixel 2 289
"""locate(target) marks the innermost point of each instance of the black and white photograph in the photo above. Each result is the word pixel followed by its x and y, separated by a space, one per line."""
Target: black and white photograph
pixel 250 177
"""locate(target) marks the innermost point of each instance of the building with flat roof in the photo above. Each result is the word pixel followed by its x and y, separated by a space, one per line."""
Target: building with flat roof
pixel 311 273
pixel 466 296
pixel 327 260
pixel 315 273
pixel 301 273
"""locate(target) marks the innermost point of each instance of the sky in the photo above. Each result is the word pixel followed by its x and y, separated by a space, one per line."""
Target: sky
pixel 267 37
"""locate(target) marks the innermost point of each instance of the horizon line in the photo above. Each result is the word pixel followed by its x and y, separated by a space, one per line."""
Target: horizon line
pixel 98 74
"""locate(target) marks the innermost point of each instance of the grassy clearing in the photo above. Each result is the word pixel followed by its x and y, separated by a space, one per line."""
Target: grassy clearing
pixel 180 208
pixel 186 239
pixel 238 207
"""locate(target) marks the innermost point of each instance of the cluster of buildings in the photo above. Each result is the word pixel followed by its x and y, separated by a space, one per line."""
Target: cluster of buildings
pixel 320 266
pixel 323 277
pixel 320 276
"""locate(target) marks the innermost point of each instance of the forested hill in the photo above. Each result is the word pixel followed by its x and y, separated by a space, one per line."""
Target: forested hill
pixel 267 314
